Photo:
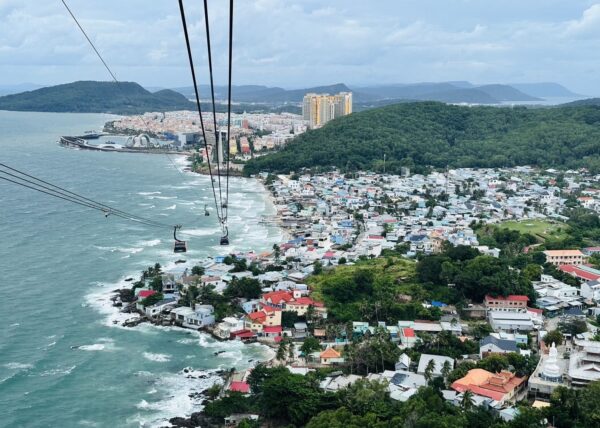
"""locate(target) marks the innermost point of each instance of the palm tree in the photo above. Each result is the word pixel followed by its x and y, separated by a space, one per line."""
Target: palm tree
pixel 429 370
pixel 281 351
pixel 467 400
pixel 291 353
pixel 446 369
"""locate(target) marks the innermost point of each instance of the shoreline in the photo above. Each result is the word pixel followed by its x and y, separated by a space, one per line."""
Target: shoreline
pixel 195 382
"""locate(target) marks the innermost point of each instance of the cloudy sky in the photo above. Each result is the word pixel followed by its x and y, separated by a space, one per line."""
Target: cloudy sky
pixel 299 43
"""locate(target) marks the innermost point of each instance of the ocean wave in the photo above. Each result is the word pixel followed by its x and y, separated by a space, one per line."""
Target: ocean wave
pixel 17 366
pixel 128 250
pixel 105 344
pixel 149 193
pixel 172 207
pixel 149 243
pixel 57 371
pixel 159 358
pixel 173 395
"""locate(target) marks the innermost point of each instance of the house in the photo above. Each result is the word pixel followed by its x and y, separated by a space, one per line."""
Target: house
pixel 335 383
pixel 512 303
pixel 159 307
pixel 564 257
pixel 408 338
pixel 300 330
pixel 229 325
pixel 299 305
pixel 510 321
pixel 492 345
pixel 438 361
pixel 403 363
pixel 330 356
pixel 591 290
pixel 503 387
pixel 198 317
pixel 240 386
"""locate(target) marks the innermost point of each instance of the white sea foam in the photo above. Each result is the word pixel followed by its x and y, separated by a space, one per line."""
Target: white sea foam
pixel 171 397
pixel 16 324
pixel 149 243
pixel 159 358
pixel 172 207
pixel 149 193
pixel 128 250
pixel 18 366
pixel 57 371
pixel 106 344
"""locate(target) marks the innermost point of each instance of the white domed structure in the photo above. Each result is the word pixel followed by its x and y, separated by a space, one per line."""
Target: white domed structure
pixel 551 369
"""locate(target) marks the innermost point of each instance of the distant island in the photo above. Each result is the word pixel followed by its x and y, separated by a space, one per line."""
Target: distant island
pixel 96 97
pixel 423 134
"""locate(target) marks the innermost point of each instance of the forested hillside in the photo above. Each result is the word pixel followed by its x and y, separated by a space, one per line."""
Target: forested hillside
pixel 440 135
pixel 96 97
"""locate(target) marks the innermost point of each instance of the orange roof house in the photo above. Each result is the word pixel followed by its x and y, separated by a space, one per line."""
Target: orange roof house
pixel 330 356
pixel 502 387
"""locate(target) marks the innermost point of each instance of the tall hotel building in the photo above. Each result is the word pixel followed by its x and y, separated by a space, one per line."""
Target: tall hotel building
pixel 318 109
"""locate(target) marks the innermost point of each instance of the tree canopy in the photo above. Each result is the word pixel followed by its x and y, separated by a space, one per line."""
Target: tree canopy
pixel 430 133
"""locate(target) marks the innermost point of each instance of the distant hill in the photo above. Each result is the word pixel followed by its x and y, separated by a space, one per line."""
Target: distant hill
pixel 448 92
pixel 585 102
pixel 96 97
pixel 545 90
pixel 441 135
pixel 506 93
pixel 264 94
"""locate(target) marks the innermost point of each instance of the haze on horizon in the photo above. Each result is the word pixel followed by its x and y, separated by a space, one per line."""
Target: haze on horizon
pixel 305 43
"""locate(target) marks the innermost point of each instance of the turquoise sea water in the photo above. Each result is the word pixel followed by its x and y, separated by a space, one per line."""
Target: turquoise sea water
pixel 62 361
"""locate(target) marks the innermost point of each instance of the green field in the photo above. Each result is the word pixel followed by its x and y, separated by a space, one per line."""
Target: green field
pixel 542 229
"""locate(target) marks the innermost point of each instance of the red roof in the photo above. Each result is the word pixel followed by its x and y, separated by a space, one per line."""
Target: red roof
pixel 302 301
pixel 243 334
pixel 257 316
pixel 146 293
pixel 267 308
pixel 272 329
pixel 239 387
pixel 328 255
pixel 375 237
pixel 408 332
pixel 534 310
pixel 277 297
pixel 511 298
pixel 580 273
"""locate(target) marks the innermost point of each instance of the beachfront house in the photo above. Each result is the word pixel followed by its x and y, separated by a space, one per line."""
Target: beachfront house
pixel 198 317
pixel 156 309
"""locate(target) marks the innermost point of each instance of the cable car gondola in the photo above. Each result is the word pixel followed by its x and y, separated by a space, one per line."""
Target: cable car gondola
pixel 225 237
pixel 180 246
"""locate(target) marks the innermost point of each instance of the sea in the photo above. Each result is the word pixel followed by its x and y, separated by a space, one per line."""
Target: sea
pixel 63 360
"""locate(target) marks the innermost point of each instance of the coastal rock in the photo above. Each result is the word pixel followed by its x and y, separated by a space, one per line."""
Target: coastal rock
pixel 182 422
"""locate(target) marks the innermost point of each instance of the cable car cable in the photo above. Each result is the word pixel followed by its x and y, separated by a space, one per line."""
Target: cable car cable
pixel 229 104
pixel 198 106
pixel 73 195
pixel 212 93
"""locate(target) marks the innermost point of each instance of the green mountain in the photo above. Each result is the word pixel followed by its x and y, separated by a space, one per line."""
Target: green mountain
pixel 96 97
pixel 585 102
pixel 439 135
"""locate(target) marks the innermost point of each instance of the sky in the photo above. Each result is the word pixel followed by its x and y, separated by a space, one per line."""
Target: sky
pixel 302 43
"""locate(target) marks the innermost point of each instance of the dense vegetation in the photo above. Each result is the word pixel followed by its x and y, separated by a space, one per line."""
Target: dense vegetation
pixel 285 399
pixel 434 134
pixel 372 290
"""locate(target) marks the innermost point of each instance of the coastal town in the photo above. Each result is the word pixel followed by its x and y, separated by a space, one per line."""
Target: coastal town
pixel 492 347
